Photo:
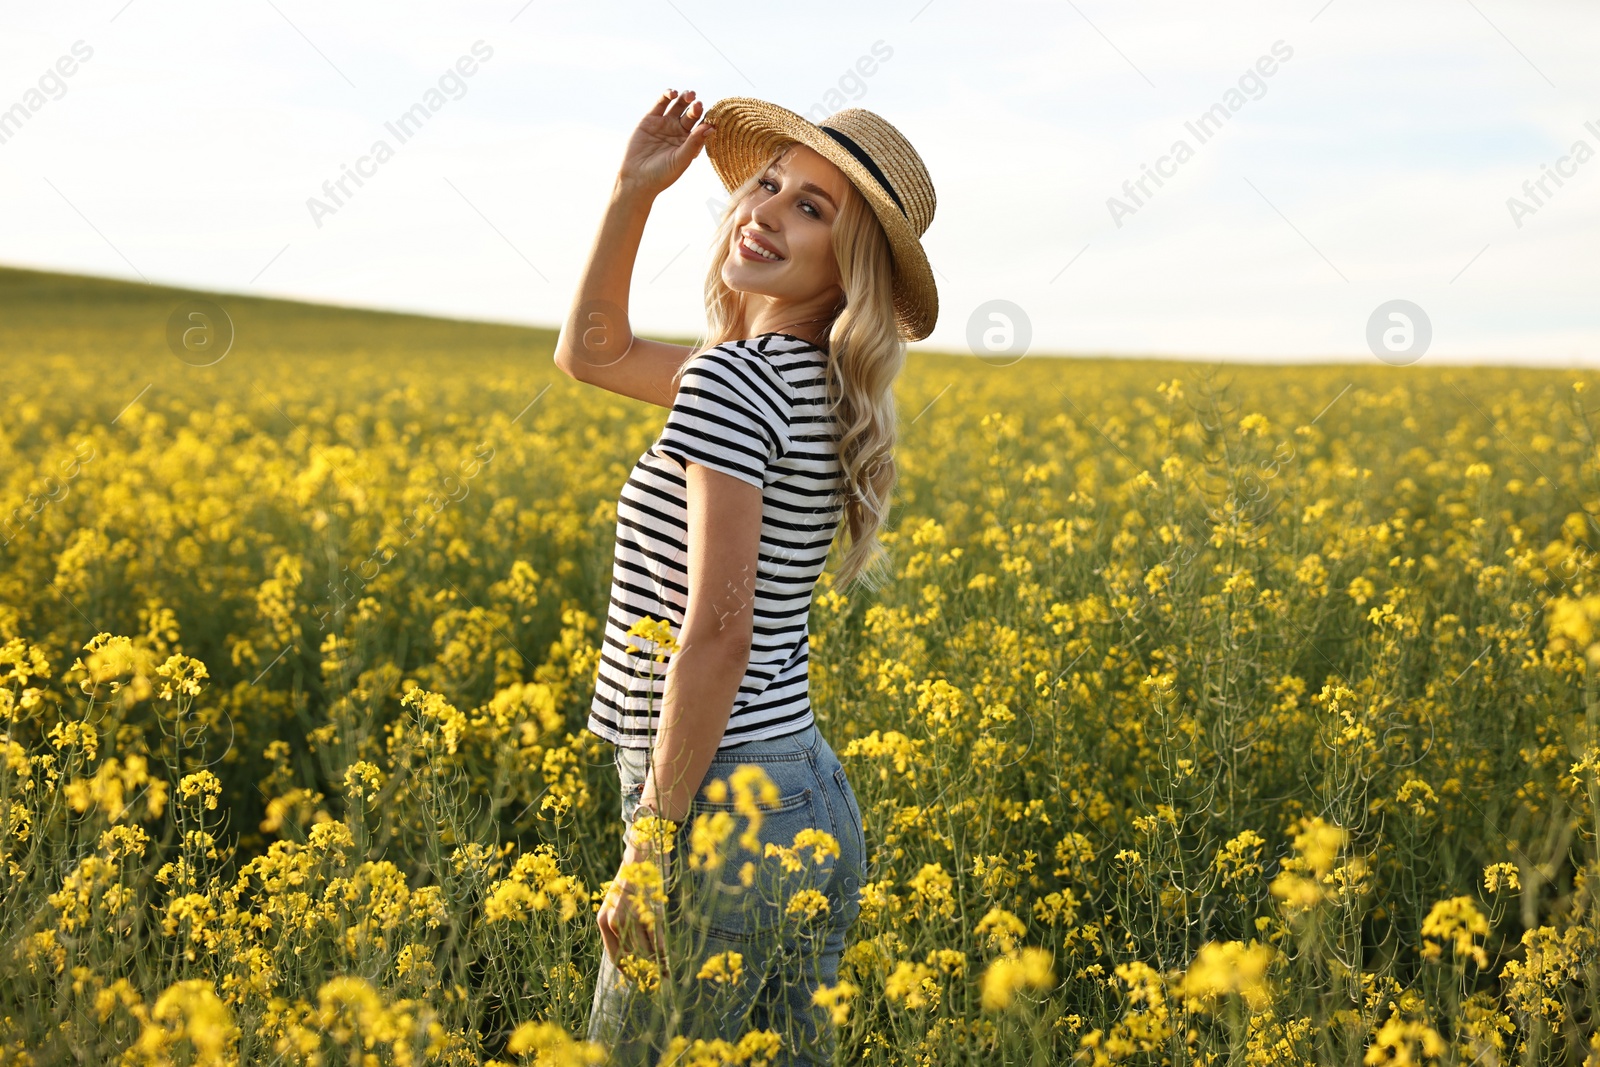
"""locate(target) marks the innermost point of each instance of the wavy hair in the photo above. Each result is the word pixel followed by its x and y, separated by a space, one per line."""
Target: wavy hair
pixel 865 355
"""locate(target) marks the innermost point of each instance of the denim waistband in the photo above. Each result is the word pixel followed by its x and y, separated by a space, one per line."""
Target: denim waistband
pixel 802 744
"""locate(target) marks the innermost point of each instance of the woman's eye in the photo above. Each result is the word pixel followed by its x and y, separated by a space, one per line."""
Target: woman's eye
pixel 816 212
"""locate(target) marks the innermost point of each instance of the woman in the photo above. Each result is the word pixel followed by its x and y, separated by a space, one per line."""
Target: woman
pixel 779 429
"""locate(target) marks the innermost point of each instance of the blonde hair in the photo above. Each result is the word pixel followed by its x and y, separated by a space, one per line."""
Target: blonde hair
pixel 865 355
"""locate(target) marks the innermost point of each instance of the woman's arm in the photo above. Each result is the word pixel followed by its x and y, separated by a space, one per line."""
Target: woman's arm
pixel 702 682
pixel 597 344
pixel 714 646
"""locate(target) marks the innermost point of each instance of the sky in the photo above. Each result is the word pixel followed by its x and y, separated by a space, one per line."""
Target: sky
pixel 1444 153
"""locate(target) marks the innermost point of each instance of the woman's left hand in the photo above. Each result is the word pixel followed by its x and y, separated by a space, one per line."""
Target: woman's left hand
pixel 632 917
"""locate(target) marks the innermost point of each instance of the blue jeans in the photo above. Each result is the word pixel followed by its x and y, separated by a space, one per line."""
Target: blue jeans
pixel 742 905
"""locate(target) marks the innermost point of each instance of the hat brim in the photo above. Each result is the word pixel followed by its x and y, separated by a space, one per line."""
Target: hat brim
pixel 750 131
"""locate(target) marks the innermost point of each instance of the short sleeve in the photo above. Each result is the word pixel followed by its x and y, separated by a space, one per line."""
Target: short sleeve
pixel 726 416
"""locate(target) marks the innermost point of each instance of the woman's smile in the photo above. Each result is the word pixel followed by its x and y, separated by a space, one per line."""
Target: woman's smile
pixel 753 247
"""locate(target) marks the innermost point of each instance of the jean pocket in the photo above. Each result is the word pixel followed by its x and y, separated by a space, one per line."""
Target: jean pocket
pixel 745 878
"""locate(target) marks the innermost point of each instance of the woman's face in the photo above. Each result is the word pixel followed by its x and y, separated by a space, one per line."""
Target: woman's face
pixel 790 213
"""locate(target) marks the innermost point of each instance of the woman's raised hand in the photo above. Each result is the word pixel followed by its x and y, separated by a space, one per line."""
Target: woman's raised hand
pixel 665 143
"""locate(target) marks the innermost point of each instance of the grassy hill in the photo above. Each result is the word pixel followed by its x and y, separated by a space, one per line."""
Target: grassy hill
pixel 43 312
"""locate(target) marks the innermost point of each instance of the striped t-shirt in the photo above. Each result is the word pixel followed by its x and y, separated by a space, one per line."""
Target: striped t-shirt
pixel 756 410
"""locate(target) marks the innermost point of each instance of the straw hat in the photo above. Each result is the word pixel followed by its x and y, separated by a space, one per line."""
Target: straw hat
pixel 876 158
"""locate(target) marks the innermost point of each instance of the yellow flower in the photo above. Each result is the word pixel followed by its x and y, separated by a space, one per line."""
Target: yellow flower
pixel 1316 846
pixel 1030 968
pixel 1319 843
pixel 911 984
pixel 808 904
pixel 1457 921
pixel 191 1011
pixel 757 1048
pixel 1361 589
pixel 1157 578
pixel 552 1046
pixel 1498 875
pixel 434 713
pixel 1004 929
pixel 119 993
pixel 656 631
pixel 109 786
pixel 82 735
pixel 200 784
pixel 890 747
pixel 1417 795
pixel 821 843
pixel 1572 622
pixel 507 900
pixel 707 835
pixel 930 892
pixel 642 971
pixel 21 662
pixel 836 999
pixel 183 674
pixel 1404 1043
pixel 724 968
pixel 753 791
pixel 362 780
pixel 1230 967
pixel 1239 859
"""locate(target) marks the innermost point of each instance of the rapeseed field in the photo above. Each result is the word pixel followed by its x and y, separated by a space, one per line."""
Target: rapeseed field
pixel 1212 714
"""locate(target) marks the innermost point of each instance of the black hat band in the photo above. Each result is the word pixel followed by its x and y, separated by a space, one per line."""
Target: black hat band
pixel 866 161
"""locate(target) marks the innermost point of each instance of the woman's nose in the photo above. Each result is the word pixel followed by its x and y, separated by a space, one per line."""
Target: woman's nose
pixel 761 216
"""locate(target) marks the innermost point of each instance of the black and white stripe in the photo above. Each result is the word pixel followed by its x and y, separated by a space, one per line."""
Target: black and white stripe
pixel 756 410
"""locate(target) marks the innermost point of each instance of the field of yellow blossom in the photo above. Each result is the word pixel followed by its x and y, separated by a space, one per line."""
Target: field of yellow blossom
pixel 1212 715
